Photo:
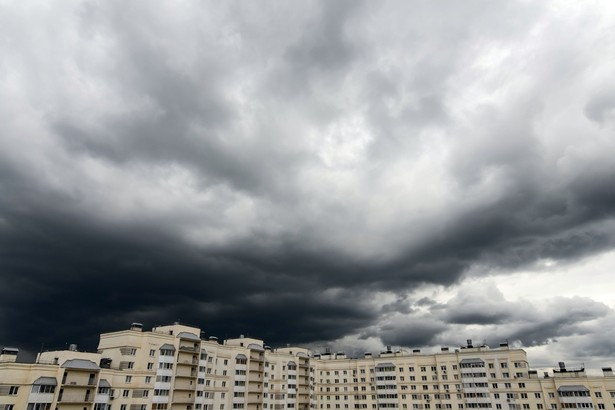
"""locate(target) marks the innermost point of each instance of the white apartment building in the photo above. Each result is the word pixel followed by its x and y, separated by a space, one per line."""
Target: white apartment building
pixel 174 367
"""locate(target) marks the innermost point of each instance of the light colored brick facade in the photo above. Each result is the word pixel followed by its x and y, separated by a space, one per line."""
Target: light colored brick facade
pixel 172 367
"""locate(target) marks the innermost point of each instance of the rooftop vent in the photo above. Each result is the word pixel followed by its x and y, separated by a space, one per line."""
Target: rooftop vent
pixel 444 349
pixel 11 351
pixel 469 343
pixel 416 351
pixel 72 347
pixel 562 365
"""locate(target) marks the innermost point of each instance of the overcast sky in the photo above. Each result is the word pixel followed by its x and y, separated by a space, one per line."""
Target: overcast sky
pixel 326 173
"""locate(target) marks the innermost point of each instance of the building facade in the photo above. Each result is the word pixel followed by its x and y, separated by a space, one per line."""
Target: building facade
pixel 173 367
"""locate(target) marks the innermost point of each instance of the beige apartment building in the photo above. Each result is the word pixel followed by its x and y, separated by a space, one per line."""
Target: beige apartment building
pixel 174 367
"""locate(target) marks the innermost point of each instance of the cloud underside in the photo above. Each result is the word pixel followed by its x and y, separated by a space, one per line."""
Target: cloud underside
pixel 297 171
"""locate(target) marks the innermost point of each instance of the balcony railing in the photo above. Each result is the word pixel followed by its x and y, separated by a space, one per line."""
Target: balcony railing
pixel 76 398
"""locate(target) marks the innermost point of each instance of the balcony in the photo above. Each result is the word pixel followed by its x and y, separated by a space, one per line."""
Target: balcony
pixel 182 385
pixel 182 372
pixel 257 357
pixel 76 398
pixel 189 362
pixel 79 383
pixel 183 400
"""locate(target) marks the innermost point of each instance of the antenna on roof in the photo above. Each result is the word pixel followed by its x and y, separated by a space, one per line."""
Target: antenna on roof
pixel 41 351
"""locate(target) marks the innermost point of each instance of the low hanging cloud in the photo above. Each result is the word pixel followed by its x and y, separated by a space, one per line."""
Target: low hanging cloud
pixel 297 171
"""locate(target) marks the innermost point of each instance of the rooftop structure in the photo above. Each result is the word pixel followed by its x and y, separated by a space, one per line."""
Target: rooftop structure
pixel 177 367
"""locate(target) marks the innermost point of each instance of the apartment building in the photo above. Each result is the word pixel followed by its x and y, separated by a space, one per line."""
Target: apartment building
pixel 175 367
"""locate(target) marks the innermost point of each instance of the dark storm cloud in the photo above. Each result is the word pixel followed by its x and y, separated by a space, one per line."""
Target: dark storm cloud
pixel 294 172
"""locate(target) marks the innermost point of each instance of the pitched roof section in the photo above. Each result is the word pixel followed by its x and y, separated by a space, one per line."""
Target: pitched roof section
pixel 45 381
pixel 254 346
pixel 471 361
pixel 573 387
pixel 80 364
pixel 189 336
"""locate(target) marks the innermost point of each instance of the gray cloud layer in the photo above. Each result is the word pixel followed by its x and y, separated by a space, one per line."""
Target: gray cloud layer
pixel 270 168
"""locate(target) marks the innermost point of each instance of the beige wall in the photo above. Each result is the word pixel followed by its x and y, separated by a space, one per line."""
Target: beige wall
pixel 241 374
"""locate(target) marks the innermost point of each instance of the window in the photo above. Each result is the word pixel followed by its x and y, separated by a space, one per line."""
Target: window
pixel 598 394
pixel 43 389
pixel 148 379
pixel 152 353
pixel 128 379
pixel 167 352
pixel 150 366
pixel 41 406
pixel 13 390
pixel 537 395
